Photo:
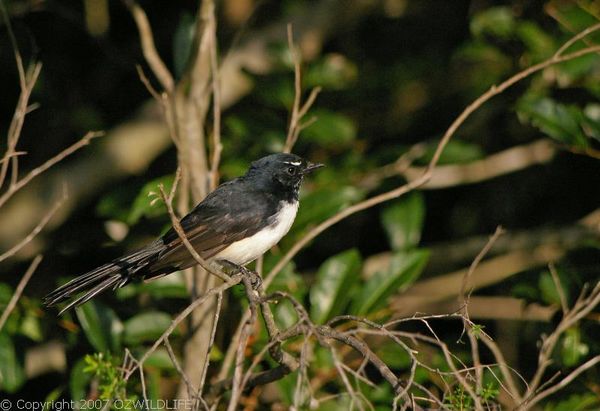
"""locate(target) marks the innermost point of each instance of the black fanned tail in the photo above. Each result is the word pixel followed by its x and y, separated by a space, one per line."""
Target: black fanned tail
pixel 112 275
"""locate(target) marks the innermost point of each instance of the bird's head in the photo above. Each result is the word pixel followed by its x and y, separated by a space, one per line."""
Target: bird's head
pixel 282 170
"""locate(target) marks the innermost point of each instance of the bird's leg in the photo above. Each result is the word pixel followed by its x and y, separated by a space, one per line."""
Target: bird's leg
pixel 232 268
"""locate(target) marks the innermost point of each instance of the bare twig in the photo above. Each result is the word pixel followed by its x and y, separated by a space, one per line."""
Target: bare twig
pixel 559 289
pixel 467 325
pixel 211 342
pixel 504 162
pixel 233 280
pixel 20 287
pixel 180 370
pixel 148 48
pixel 238 381
pixel 299 110
pixel 181 233
pixel 576 38
pixel 562 383
pixel 216 91
pixel 49 163
pixel 585 303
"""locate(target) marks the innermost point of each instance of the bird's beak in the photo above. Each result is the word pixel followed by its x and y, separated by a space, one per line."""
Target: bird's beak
pixel 310 167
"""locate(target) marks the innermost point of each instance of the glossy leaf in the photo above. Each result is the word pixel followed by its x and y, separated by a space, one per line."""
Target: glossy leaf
pixel 183 42
pixel 403 221
pixel 148 202
pixel 145 327
pixel 169 286
pixel 548 290
pixel 556 120
pixel 333 71
pixel 159 359
pixel 591 121
pixel 405 267
pixel 538 42
pixel 455 152
pixel 575 402
pixel 497 21
pixel 101 326
pixel 331 291
pixel 79 380
pixel 12 375
pixel 319 205
pixel 330 129
pixel 573 350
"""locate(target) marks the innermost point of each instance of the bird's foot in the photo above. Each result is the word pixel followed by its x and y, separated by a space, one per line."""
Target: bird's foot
pixel 232 268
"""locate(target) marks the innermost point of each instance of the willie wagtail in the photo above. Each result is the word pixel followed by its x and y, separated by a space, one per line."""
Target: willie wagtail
pixel 233 225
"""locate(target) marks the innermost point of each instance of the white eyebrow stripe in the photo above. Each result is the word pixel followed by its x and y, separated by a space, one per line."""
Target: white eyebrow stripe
pixel 294 163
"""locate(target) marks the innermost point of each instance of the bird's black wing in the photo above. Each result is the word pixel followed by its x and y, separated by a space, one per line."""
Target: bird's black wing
pixel 231 213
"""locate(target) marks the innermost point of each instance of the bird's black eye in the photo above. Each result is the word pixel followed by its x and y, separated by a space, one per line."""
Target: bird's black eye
pixel 291 171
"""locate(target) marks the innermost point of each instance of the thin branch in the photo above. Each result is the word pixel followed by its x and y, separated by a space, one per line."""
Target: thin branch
pixel 233 280
pixel 16 124
pixel 168 200
pixel 562 383
pixel 49 163
pixel 178 368
pixel 20 287
pixel 468 325
pixel 237 384
pixel 36 230
pixel 559 289
pixel 584 305
pixel 576 38
pixel 299 110
pixel 463 295
pixel 427 173
pixel 146 82
pixel 151 55
pixel 504 162
pixel 211 342
pixel 216 91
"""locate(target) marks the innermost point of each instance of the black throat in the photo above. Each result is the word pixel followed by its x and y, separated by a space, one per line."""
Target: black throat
pixel 275 188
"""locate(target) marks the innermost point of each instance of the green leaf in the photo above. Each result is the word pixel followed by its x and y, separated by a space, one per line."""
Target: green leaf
pixel 275 91
pixel 145 327
pixel 548 290
pixel 183 42
pixel 12 376
pixel 573 350
pixel 285 315
pixel 170 286
pixel 556 120
pixel 321 204
pixel 330 129
pixel 333 71
pixel 455 152
pixel 31 327
pixel 405 267
pixel 79 380
pixel 160 359
pixel 575 402
pixel 101 326
pixel 537 41
pixel 394 355
pixel 335 279
pixel 591 121
pixel 403 221
pixel 148 202
pixel 497 21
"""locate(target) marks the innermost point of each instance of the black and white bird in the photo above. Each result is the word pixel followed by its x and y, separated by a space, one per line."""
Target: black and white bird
pixel 234 225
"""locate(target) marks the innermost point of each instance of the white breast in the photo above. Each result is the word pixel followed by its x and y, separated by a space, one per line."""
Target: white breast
pixel 249 249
